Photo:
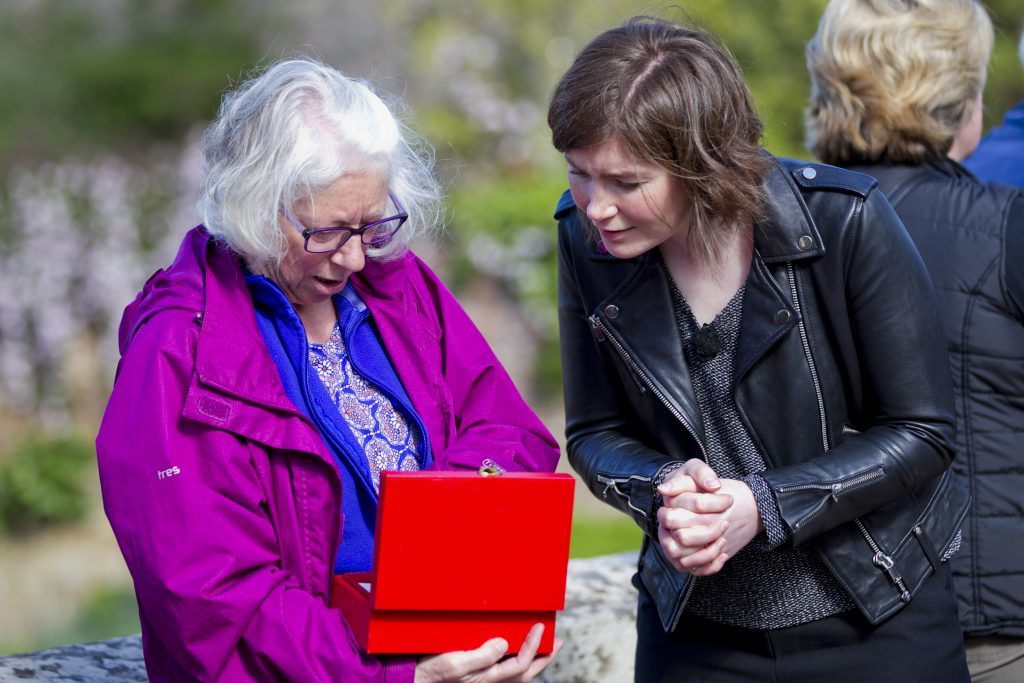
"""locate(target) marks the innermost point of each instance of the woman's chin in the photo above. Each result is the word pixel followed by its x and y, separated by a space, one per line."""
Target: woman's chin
pixel 623 249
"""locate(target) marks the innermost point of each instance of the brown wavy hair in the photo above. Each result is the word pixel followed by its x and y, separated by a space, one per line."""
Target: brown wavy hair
pixel 675 98
pixel 893 80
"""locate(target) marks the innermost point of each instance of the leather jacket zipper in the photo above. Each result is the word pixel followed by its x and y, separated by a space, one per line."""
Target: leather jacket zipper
pixel 596 326
pixel 602 333
pixel 612 483
pixel 682 603
pixel 807 353
pixel 884 562
pixel 879 558
pixel 835 489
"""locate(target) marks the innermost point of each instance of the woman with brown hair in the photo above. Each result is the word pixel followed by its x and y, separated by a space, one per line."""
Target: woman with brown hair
pixel 754 372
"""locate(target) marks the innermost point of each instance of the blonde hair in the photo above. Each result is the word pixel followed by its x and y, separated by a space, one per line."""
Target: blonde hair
pixel 893 80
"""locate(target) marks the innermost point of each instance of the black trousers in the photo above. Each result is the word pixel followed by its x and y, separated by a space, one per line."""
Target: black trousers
pixel 922 642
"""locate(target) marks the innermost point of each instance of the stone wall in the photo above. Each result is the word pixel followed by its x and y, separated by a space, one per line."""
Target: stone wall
pixel 598 626
pixel 116 661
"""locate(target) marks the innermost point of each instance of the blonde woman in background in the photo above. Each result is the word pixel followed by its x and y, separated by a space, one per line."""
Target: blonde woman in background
pixel 897 95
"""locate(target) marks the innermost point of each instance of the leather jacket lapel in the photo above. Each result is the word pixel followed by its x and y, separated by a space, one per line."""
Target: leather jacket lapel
pixel 639 315
pixel 768 315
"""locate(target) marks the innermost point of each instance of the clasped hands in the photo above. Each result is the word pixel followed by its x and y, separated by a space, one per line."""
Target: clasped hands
pixel 704 519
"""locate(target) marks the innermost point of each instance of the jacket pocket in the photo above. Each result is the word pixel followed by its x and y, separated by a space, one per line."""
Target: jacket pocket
pixel 894 548
pixel 936 528
pixel 669 587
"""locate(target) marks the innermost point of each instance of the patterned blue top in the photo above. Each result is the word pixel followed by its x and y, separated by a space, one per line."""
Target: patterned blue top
pixel 387 439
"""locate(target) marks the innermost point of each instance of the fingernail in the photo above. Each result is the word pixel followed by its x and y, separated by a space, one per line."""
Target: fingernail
pixel 502 646
pixel 725 525
pixel 711 483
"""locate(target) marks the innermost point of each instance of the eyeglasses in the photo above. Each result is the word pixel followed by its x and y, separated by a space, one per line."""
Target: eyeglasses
pixel 375 234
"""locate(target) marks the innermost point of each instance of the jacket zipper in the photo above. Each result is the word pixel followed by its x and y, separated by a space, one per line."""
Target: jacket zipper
pixel 682 604
pixel 601 333
pixel 880 559
pixel 836 490
pixel 884 562
pixel 807 353
pixel 612 483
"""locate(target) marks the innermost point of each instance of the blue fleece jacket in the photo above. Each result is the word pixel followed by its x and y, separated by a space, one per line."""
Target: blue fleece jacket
pixel 285 337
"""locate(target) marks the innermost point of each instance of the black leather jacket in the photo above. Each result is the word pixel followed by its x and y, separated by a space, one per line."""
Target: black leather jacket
pixel 841 378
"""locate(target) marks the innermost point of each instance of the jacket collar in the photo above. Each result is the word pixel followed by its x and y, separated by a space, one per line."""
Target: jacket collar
pixel 640 315
pixel 384 283
pixel 786 231
pixel 207 279
pixel 951 167
pixel 234 381
pixel 231 355
pixel 898 179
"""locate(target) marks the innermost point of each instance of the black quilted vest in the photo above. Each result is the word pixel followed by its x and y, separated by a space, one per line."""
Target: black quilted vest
pixel 959 225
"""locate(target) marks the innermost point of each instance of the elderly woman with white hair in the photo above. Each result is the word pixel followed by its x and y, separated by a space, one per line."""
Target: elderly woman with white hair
pixel 293 351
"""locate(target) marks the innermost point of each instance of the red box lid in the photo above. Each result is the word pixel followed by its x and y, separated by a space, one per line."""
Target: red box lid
pixel 457 541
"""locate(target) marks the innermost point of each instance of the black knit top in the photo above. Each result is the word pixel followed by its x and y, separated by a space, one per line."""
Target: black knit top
pixel 765 586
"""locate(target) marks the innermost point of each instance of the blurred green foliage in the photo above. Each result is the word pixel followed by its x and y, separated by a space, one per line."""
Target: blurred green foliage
pixel 603 535
pixel 41 482
pixel 108 613
pixel 77 80
pixel 123 75
pixel 1005 86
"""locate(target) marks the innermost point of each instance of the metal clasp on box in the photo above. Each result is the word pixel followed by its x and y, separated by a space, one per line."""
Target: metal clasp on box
pixel 489 468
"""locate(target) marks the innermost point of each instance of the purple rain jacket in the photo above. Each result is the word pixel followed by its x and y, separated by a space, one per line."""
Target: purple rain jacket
pixel 225 500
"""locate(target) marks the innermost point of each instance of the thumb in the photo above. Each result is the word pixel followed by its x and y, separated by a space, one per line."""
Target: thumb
pixel 470 661
pixel 499 646
pixel 677 484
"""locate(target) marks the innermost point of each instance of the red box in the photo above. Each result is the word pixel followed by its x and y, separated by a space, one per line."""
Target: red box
pixel 460 558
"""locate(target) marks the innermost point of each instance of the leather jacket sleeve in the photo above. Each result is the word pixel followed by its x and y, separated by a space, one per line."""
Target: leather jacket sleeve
pixel 617 467
pixel 905 414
